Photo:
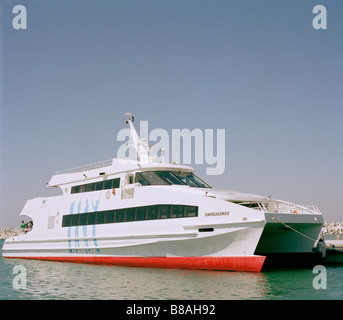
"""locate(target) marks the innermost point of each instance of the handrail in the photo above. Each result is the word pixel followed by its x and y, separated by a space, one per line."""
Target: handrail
pixel 288 207
pixel 86 167
pixel 280 206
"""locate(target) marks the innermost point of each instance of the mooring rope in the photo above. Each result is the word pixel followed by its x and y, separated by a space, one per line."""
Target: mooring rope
pixel 306 236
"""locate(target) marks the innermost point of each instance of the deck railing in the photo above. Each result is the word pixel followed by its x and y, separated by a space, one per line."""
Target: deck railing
pixel 279 206
pixel 287 207
pixel 87 167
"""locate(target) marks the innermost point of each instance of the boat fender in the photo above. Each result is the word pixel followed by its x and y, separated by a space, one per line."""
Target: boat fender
pixel 321 247
pixel 114 191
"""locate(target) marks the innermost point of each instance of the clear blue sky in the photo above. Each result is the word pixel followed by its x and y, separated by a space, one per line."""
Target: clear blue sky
pixel 258 69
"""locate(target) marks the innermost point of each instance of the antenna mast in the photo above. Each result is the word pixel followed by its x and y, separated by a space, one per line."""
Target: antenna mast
pixel 142 148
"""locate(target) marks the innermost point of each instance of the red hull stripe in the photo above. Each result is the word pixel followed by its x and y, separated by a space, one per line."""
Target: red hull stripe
pixel 250 263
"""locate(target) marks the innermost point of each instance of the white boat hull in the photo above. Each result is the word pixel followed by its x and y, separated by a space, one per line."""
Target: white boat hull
pixel 227 247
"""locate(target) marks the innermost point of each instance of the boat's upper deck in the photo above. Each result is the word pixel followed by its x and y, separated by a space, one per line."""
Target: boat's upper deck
pixel 109 168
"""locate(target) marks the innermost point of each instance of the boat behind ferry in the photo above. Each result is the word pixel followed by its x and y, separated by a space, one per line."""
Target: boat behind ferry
pixel 142 213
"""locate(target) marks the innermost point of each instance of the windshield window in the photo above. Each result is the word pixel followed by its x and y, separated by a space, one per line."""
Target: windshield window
pixel 197 180
pixel 140 179
pixel 170 177
pixel 152 178
pixel 183 177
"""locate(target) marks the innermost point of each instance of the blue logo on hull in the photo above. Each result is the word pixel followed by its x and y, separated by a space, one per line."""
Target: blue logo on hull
pixel 75 248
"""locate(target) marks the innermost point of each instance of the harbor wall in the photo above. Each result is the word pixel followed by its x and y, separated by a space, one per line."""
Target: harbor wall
pixel 332 228
pixel 10 232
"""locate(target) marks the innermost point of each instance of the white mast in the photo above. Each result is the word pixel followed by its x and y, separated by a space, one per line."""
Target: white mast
pixel 141 146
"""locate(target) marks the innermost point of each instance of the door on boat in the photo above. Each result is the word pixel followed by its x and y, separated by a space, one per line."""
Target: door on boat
pixel 129 187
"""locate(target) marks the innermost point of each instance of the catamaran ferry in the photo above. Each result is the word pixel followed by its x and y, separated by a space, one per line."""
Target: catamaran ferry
pixel 148 214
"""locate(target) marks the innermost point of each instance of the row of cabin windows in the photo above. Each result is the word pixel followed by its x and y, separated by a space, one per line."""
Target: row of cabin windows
pixel 162 211
pixel 95 186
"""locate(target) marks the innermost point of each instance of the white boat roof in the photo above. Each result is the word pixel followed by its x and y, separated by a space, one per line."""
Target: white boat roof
pixel 109 167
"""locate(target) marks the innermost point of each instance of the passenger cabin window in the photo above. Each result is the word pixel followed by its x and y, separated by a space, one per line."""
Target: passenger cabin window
pixel 146 178
pixel 96 186
pixel 154 212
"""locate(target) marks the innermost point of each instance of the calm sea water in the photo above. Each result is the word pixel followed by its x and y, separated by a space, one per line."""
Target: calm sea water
pixel 57 280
